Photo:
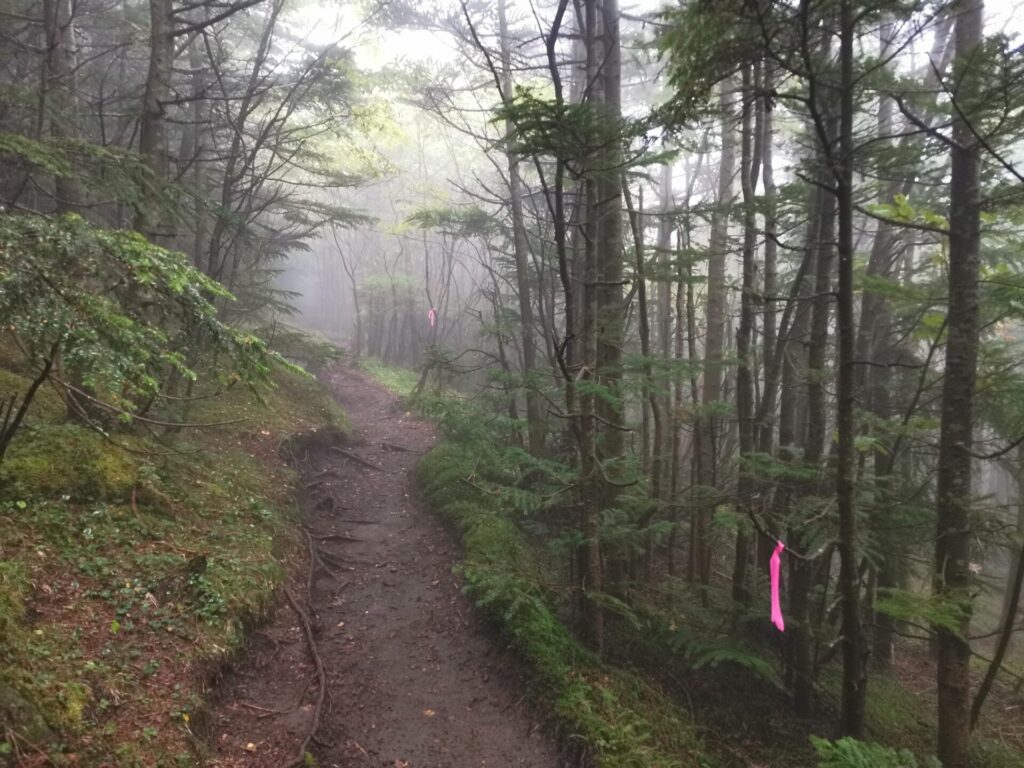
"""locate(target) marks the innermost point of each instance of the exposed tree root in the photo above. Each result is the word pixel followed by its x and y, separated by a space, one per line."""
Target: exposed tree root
pixel 265 712
pixel 307 628
pixel 357 459
pixel 333 537
pixel 313 560
pixel 332 560
pixel 355 521
pixel 322 477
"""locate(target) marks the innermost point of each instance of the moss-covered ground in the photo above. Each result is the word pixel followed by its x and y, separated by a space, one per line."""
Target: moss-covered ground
pixel 130 568
pixel 401 381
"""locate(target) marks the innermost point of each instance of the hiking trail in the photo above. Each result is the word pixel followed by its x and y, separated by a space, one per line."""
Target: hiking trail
pixel 414 678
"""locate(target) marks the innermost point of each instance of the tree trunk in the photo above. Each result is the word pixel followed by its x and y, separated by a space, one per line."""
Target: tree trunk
pixel 854 684
pixel 590 481
pixel 664 320
pixel 1016 581
pixel 152 142
pixel 745 374
pixel 767 409
pixel 871 384
pixel 807 427
pixel 56 94
pixel 953 492
pixel 610 308
pixel 520 250
pixel 652 400
pixel 714 341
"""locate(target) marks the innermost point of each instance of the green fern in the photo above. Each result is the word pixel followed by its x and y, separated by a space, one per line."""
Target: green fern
pixel 851 753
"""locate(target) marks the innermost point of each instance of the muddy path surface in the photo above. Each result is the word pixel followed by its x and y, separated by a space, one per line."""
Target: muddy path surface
pixel 414 679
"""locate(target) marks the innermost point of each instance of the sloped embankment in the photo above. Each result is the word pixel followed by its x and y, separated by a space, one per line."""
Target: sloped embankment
pixel 130 569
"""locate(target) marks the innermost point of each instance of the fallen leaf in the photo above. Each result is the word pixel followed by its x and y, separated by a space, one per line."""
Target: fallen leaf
pixel 429 712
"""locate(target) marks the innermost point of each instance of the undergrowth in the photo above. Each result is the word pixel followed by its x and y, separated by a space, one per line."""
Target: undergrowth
pixel 605 715
pixel 130 569
pixel 401 381
pixel 613 716
pixel 697 693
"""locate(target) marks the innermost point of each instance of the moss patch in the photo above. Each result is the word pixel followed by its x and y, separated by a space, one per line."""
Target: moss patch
pixel 401 381
pixel 291 404
pixel 55 460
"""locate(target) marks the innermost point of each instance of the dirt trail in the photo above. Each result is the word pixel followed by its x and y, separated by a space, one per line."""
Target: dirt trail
pixel 414 679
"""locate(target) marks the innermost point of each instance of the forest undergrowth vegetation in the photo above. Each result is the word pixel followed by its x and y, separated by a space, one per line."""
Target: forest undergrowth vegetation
pixel 131 568
pixel 684 679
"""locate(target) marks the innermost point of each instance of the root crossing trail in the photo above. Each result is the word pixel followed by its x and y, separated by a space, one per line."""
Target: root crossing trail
pixel 414 680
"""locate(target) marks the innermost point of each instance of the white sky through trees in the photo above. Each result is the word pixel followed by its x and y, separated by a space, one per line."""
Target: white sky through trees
pixel 377 48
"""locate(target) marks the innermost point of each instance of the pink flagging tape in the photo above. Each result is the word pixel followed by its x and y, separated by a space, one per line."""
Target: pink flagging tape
pixel 773 568
pixel 432 317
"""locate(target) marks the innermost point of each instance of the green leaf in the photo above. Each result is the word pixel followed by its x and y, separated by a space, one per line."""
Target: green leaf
pixel 867 444
pixel 924 610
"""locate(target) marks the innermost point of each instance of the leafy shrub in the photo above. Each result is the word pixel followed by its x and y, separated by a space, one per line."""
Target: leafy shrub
pixel 112 313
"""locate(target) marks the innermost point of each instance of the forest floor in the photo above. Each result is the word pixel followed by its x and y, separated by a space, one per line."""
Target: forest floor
pixel 414 678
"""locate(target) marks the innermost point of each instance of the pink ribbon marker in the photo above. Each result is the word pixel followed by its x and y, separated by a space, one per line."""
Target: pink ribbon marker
pixel 432 316
pixel 773 568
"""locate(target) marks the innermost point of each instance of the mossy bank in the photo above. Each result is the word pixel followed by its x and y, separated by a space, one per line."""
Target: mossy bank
pixel 130 568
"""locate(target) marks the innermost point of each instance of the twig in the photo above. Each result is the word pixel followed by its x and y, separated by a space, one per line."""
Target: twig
pixel 337 537
pixel 354 521
pixel 145 419
pixel 13 737
pixel 320 477
pixel 272 712
pixel 326 558
pixel 318 662
pixel 357 459
pixel 269 712
pixel 310 533
pixel 366 754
